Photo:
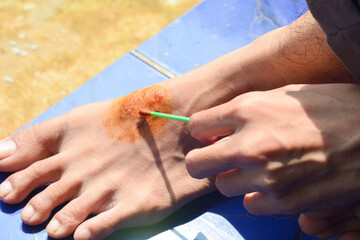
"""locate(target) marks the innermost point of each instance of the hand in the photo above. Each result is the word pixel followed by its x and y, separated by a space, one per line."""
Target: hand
pixel 290 150
pixel 343 221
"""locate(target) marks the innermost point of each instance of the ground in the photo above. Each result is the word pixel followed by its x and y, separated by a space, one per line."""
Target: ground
pixel 65 43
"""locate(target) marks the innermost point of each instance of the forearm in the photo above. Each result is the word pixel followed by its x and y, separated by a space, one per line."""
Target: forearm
pixel 306 57
pixel 297 53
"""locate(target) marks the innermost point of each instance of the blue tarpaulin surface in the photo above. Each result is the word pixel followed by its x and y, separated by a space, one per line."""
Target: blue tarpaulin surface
pixel 210 30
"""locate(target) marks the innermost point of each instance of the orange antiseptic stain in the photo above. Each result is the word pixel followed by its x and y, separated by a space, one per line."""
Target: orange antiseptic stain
pixel 123 121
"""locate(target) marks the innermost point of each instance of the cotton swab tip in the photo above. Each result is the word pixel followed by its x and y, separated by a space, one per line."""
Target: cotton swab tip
pixel 145 112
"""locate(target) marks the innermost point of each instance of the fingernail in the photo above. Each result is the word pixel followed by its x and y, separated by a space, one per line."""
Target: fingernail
pixel 28 212
pixel 5 188
pixel 53 226
pixel 7 148
pixel 84 234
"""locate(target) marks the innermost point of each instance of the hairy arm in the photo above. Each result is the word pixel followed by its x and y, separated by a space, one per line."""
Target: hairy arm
pixel 297 53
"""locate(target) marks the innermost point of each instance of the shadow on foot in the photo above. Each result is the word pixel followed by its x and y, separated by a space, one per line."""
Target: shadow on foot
pixel 146 133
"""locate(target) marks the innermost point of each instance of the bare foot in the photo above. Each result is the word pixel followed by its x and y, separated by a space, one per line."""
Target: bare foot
pixel 129 171
pixel 105 159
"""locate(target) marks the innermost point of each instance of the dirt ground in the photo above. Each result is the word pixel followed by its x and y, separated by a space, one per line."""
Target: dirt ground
pixel 48 48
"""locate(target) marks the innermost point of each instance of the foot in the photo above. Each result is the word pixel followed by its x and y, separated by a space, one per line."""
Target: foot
pixel 103 159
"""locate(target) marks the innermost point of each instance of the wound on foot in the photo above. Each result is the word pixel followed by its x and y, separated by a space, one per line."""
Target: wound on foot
pixel 123 121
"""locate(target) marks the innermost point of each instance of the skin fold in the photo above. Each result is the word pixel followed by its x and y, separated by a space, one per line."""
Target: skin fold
pixel 136 166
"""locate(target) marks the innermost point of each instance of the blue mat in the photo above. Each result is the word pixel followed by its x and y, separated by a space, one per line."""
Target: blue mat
pixel 210 30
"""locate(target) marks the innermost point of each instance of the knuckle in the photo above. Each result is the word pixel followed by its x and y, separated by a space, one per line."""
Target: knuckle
pixel 273 186
pixel 249 151
pixel 274 181
pixel 250 102
pixel 256 147
pixel 246 150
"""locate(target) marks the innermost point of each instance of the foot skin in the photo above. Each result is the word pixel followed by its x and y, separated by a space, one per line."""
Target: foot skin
pixel 127 178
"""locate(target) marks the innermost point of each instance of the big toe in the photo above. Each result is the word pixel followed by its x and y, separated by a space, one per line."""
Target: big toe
pixel 31 144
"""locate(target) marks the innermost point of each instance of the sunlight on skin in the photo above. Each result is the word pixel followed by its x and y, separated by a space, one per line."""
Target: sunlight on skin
pixel 141 181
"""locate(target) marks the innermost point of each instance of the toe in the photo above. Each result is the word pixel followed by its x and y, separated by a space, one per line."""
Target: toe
pixel 100 226
pixel 7 148
pixel 67 219
pixel 40 206
pixel 105 223
pixel 18 186
pixel 31 144
pixel 349 236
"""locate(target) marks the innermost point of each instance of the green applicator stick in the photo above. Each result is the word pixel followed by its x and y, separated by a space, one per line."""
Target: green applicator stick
pixel 164 115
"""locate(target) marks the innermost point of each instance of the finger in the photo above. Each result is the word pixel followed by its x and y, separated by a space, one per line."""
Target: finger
pixel 76 211
pixel 347 225
pixel 326 213
pixel 39 208
pixel 322 222
pixel 31 144
pixel 270 180
pixel 210 160
pixel 235 182
pixel 349 236
pixel 307 197
pixel 349 211
pixel 18 186
pixel 211 123
pixel 263 204
pixel 259 204
pixel 312 226
pixel 233 152
pixel 327 234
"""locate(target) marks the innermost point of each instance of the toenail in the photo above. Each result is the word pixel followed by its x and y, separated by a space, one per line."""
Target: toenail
pixel 53 226
pixel 28 212
pixel 84 234
pixel 7 148
pixel 5 188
